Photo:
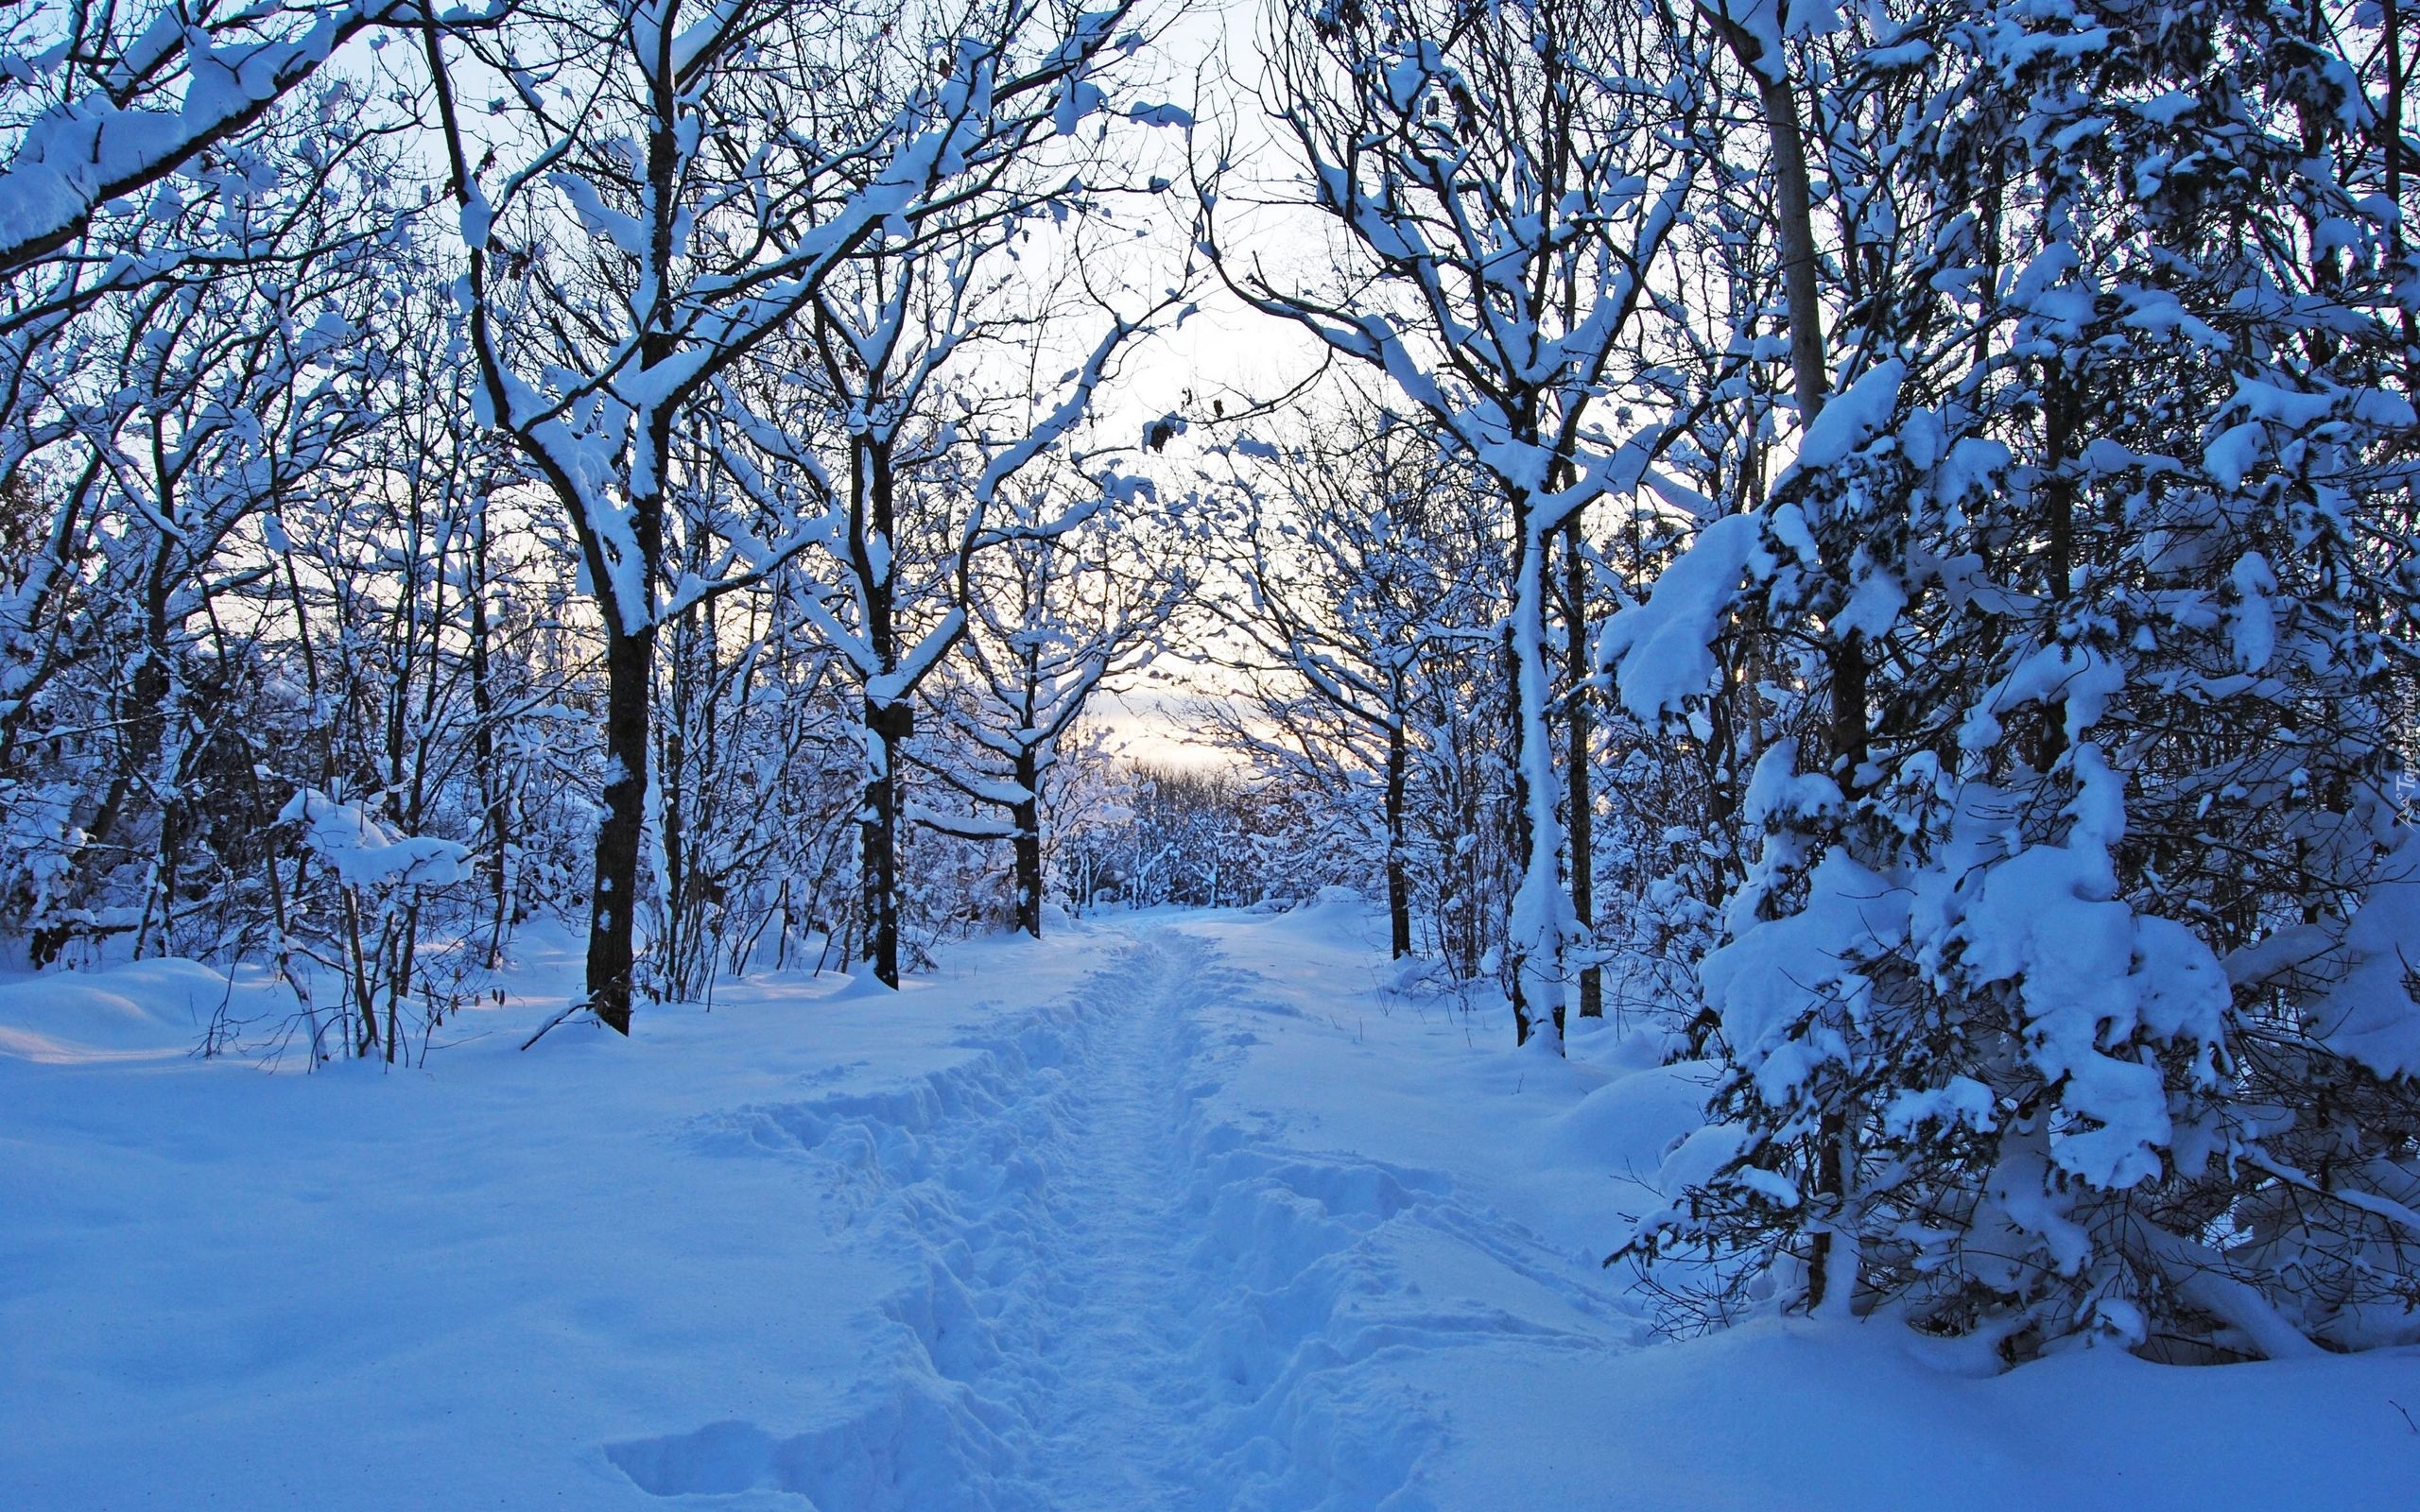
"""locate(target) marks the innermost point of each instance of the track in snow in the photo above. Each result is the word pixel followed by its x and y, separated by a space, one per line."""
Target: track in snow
pixel 1118 1392
pixel 1128 1307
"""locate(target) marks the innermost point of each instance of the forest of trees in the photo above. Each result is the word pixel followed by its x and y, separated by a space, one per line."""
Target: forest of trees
pixel 1877 542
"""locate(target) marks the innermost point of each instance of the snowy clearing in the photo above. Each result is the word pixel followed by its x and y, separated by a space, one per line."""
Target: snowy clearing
pixel 1180 1211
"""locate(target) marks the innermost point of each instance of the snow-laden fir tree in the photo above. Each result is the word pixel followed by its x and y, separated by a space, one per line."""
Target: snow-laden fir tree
pixel 2065 998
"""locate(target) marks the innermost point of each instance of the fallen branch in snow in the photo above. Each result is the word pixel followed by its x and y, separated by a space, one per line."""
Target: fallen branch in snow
pixel 568 1009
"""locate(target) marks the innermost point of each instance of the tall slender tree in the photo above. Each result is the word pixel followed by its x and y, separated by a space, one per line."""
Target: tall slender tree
pixel 1502 182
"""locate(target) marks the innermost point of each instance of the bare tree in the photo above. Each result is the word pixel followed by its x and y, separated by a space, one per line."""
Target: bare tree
pixel 1074 597
pixel 1501 181
pixel 1336 536
pixel 723 163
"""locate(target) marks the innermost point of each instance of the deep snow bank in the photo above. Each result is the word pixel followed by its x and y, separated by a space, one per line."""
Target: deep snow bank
pixel 1574 1405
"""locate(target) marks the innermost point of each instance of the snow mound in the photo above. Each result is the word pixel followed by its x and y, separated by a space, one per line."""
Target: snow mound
pixel 147 1011
pixel 1630 1126
pixel 916 1450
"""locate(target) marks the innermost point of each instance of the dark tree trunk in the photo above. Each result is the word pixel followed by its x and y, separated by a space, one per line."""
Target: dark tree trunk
pixel 629 675
pixel 2059 510
pixel 1794 229
pixel 365 1038
pixel 889 720
pixel 888 727
pixel 1469 868
pixel 1398 860
pixel 679 946
pixel 1576 758
pixel 1027 815
pixel 1519 771
pixel 630 649
pixel 1844 662
pixel 2390 32
pixel 494 793
pixel 1537 845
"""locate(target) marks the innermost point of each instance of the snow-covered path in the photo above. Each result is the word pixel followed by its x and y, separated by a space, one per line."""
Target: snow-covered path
pixel 1123 1306
pixel 1116 1389
pixel 1181 1214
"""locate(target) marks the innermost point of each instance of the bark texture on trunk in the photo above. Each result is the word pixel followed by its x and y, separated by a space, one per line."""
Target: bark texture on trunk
pixel 1844 666
pixel 1027 815
pixel 613 956
pixel 1577 757
pixel 888 728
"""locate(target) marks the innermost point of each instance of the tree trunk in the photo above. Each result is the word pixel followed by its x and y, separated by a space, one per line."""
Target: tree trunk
pixel 2059 508
pixel 367 1038
pixel 1398 861
pixel 888 727
pixel 1795 224
pixel 1470 865
pixel 1794 229
pixel 629 675
pixel 1578 759
pixel 680 949
pixel 2390 30
pixel 630 625
pixel 1535 940
pixel 494 790
pixel 1027 815
pixel 890 718
pixel 1844 660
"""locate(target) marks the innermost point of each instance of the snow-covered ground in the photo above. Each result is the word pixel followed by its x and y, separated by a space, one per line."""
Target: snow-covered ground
pixel 1169 1211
